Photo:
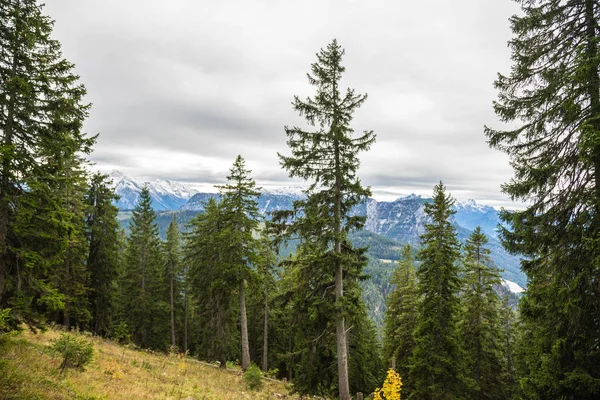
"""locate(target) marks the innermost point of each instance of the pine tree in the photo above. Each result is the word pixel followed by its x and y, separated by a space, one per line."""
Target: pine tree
pixel 212 281
pixel 144 303
pixel 266 274
pixel 328 154
pixel 240 205
pixel 509 326
pixel 552 94
pixel 401 314
pixel 173 271
pixel 436 364
pixel 103 255
pixel 480 330
pixel 41 108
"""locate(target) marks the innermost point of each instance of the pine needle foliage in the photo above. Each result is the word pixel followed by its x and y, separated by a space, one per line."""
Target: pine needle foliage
pixel 480 329
pixel 401 313
pixel 327 155
pixel 436 370
pixel 552 97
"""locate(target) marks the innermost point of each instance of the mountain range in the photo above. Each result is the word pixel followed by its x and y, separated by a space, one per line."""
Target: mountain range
pixel 401 221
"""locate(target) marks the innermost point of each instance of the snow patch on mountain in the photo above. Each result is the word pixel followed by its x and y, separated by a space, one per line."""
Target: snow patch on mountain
pixel 512 286
pixel 165 194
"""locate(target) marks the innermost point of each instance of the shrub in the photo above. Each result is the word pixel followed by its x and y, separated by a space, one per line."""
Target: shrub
pixel 253 377
pixel 121 333
pixel 391 387
pixel 76 352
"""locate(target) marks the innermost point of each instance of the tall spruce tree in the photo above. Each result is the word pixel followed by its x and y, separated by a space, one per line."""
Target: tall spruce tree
pixel 240 206
pixel 41 107
pixel 552 94
pixel 436 370
pixel 328 156
pixel 173 271
pixel 146 308
pixel 401 315
pixel 212 281
pixel 103 256
pixel 480 330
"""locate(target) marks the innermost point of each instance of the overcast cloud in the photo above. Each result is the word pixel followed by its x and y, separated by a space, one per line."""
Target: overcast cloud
pixel 180 87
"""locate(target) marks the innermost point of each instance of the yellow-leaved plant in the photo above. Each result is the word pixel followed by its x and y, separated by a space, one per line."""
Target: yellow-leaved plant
pixel 391 387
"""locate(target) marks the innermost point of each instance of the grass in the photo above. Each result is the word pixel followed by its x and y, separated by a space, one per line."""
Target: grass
pixel 28 371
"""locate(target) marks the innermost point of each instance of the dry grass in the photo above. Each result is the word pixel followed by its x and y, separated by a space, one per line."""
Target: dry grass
pixel 28 371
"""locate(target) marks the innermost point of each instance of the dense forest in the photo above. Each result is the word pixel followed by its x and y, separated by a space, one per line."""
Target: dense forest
pixel 227 287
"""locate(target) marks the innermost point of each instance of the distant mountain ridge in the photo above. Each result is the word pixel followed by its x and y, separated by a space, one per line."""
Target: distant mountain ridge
pixel 402 220
pixel 165 195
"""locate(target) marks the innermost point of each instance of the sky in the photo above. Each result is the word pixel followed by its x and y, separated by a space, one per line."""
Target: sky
pixel 181 87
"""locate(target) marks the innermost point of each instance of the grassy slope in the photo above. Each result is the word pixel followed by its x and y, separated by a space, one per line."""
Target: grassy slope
pixel 28 371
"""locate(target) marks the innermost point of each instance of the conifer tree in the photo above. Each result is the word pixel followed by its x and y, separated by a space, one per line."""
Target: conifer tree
pixel 266 274
pixel 103 256
pixel 436 365
pixel 327 154
pixel 401 314
pixel 509 326
pixel 552 97
pixel 145 306
pixel 212 282
pixel 240 206
pixel 173 271
pixel 41 108
pixel 480 330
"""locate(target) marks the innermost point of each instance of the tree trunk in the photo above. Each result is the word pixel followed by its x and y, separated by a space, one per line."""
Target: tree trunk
pixel 266 331
pixel 185 322
pixel 172 310
pixel 342 351
pixel 244 327
pixel 594 92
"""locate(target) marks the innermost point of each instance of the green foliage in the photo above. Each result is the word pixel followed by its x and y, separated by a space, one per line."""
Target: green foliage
pixel 144 294
pixel 436 367
pixel 480 330
pixel 121 333
pixel 75 351
pixel 5 325
pixel 240 208
pixel 552 99
pixel 103 257
pixel 328 155
pixel 42 177
pixel 212 281
pixel 173 273
pixel 253 377
pixel 401 314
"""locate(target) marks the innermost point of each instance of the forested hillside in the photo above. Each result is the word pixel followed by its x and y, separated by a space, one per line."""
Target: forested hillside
pixel 323 286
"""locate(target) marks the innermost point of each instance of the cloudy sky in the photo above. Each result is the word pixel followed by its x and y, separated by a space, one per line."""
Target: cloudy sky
pixel 180 87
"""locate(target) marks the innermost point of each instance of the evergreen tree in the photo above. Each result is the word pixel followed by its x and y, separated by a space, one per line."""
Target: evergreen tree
pixel 240 205
pixel 401 314
pixel 436 365
pixel 41 109
pixel 144 303
pixel 310 352
pixel 103 255
pixel 552 94
pixel 328 154
pixel 173 271
pixel 480 329
pixel 509 326
pixel 212 281
pixel 266 277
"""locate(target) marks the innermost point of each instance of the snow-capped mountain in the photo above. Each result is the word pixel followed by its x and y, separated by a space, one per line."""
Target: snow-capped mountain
pixel 402 220
pixel 166 195
pixel 470 214
pixel 269 200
